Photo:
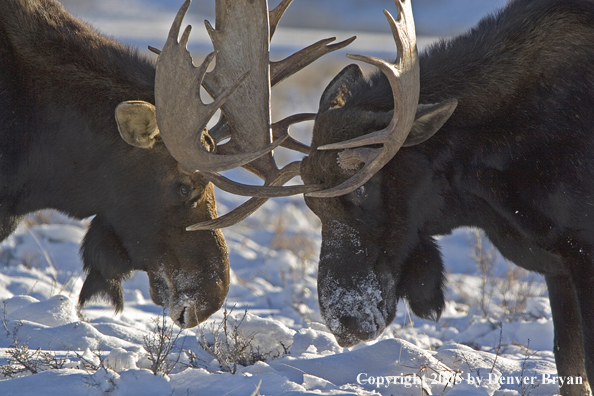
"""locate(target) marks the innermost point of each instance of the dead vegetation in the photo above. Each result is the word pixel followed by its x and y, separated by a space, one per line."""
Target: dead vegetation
pixel 230 346
pixel 159 344
pixel 22 359
pixel 224 341
pixel 301 244
pixel 500 295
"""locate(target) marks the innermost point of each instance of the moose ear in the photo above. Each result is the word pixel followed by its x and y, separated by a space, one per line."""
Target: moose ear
pixel 428 120
pixel 137 123
pixel 338 91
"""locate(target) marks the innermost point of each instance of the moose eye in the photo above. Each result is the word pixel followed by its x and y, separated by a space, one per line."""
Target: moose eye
pixel 185 191
pixel 358 196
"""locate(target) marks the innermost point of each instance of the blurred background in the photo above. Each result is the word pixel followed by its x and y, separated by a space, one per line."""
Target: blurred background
pixel 144 22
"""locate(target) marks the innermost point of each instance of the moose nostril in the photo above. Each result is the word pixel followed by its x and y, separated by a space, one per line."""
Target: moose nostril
pixel 182 318
pixel 349 322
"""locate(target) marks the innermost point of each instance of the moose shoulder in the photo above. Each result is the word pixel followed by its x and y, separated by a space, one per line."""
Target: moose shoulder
pixel 60 83
pixel 514 159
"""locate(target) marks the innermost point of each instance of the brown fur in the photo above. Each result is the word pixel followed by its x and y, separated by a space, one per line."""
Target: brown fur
pixel 60 82
pixel 514 159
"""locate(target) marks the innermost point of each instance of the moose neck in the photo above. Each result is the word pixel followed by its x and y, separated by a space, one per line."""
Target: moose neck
pixel 490 67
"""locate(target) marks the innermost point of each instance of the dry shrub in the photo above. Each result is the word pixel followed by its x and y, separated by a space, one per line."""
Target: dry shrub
pixel 229 345
pixel 512 290
pixel 300 244
pixel 159 344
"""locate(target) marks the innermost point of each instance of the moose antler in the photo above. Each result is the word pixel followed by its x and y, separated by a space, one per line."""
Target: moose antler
pixel 404 78
pixel 181 114
pixel 240 84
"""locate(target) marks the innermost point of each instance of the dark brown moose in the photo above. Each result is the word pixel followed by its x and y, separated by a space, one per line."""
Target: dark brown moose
pixel 493 129
pixel 61 82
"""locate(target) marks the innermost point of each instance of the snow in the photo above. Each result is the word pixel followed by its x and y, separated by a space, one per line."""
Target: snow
pixel 495 336
pixel 465 353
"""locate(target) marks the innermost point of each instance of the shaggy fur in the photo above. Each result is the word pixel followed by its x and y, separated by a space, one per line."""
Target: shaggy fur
pixel 514 159
pixel 60 82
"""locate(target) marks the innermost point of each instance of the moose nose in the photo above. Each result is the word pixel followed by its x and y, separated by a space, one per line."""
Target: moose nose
pixel 357 329
pixel 184 315
pixel 181 321
pixel 187 314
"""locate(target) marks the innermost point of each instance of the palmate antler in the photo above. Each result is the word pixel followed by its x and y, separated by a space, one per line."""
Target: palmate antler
pixel 181 114
pixel 240 84
pixel 404 78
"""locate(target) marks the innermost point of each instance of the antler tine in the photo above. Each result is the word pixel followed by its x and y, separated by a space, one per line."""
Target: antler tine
pixel 177 21
pixel 181 114
pixel 404 78
pixel 243 211
pixel 287 67
pixel 280 129
pixel 276 15
pixel 240 213
pixel 154 50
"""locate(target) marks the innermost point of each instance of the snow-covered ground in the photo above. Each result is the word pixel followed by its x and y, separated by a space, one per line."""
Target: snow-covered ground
pixel 495 336
pixel 496 327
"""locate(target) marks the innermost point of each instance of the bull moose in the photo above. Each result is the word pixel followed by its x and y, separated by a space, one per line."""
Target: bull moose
pixel 61 82
pixel 492 129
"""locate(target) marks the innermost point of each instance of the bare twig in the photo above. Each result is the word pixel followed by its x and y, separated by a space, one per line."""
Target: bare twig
pixel 159 345
pixel 230 346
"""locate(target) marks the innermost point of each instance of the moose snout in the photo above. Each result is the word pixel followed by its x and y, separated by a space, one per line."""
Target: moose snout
pixel 185 315
pixel 354 329
pixel 189 312
pixel 187 307
pixel 353 313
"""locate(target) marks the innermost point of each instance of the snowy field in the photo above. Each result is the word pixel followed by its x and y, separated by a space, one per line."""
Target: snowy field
pixel 496 327
pixel 495 336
